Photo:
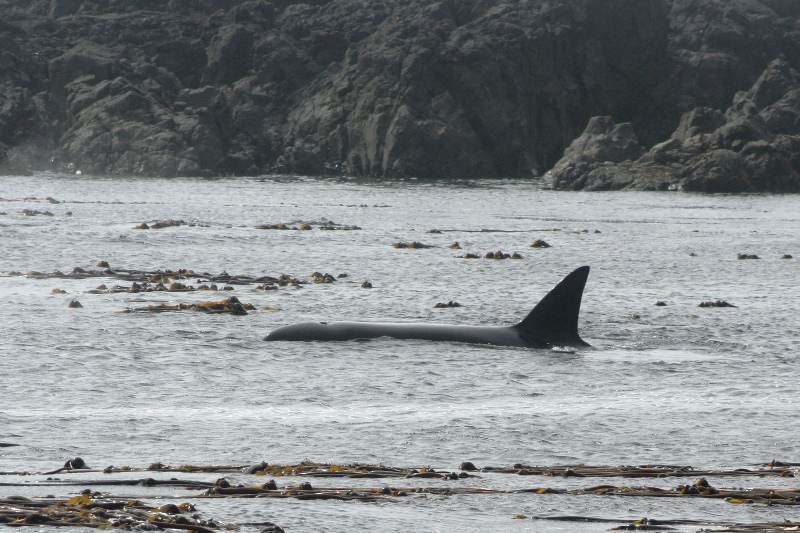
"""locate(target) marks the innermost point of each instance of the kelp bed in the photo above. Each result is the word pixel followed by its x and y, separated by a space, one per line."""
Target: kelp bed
pixel 163 280
pixel 101 512
pixel 180 281
pixel 93 508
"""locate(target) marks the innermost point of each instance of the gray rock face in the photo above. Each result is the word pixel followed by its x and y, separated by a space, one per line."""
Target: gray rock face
pixel 604 141
pixel 752 147
pixel 450 89
pixel 698 121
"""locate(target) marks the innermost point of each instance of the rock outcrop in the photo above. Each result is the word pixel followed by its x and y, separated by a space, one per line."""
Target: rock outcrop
pixel 447 89
pixel 754 146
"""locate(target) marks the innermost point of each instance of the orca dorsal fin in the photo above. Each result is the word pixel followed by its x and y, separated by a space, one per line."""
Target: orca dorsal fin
pixel 554 320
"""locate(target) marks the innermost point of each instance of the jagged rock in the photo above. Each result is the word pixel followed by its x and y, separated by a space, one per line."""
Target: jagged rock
pixel 777 79
pixel 749 148
pixel 783 116
pixel 86 61
pixel 698 121
pixel 588 162
pixel 770 168
pixel 717 171
pixel 603 141
pixel 228 56
pixel 737 133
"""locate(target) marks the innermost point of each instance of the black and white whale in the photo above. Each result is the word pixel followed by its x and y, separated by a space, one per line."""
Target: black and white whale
pixel 553 322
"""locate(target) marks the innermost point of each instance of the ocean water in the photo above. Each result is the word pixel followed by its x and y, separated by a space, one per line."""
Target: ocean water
pixel 675 384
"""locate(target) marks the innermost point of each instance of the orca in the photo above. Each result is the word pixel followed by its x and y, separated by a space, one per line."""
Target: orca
pixel 553 322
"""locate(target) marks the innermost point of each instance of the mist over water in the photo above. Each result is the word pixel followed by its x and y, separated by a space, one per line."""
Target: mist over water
pixel 675 384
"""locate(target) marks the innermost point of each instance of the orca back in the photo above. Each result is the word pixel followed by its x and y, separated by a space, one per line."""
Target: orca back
pixel 554 320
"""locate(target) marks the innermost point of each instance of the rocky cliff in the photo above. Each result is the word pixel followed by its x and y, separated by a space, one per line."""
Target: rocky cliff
pixel 449 89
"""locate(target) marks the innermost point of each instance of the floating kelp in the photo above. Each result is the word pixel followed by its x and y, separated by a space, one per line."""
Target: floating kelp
pixel 781 464
pixel 282 226
pixel 334 227
pixel 292 481
pixel 776 468
pixel 328 226
pixel 747 256
pixel 96 511
pixel 491 255
pixel 230 305
pixel 169 223
pixel 412 245
pixel 124 274
pixel 161 467
pixel 305 468
pixel 159 286
pixel 306 490
pixel 223 487
pixel 717 303
pixel 700 489
pixel 318 277
pixel 310 468
pixel 272 284
pixel 651 524
pixel 163 280
pixel 35 212
pixel 499 254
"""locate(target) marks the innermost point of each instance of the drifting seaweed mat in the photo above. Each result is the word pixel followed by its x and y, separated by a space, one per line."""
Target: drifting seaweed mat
pixel 117 500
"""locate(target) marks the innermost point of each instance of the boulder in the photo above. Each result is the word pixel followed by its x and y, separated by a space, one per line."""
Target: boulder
pixel 734 135
pixel 698 121
pixel 229 55
pixel 85 60
pixel 716 171
pixel 777 79
pixel 783 117
pixel 770 167
pixel 604 141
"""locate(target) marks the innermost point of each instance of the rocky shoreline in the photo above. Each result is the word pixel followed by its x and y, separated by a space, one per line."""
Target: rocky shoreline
pixel 450 89
pixel 754 146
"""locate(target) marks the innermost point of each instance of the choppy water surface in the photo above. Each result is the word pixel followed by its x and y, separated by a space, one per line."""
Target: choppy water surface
pixel 674 384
